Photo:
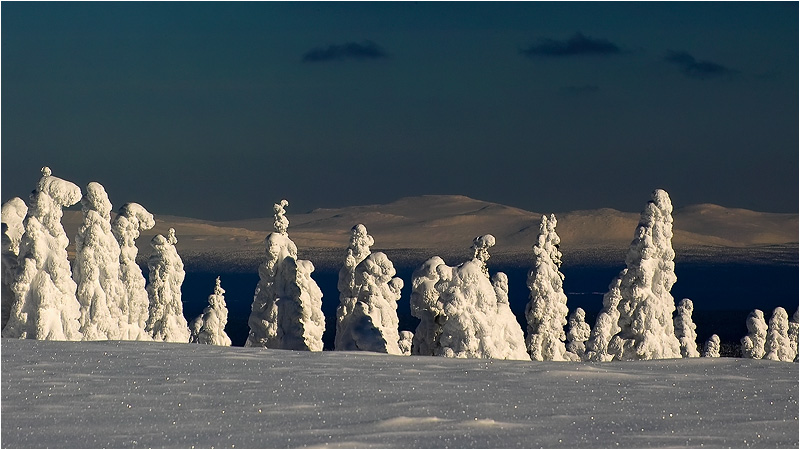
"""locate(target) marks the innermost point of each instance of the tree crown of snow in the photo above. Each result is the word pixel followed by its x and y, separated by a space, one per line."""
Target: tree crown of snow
pixel 281 223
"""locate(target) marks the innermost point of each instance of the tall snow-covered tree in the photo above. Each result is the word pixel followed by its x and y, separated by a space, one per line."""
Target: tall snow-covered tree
pixel 794 331
pixel 753 343
pixel 685 329
pixel 96 269
pixel 646 307
pixel 778 347
pixel 45 306
pixel 506 329
pixel 372 324
pixel 165 321
pixel 287 305
pixel 606 325
pixel 130 220
pixel 577 334
pixel 546 311
pixel 209 327
pixel 712 347
pixel 13 215
pixel 357 251
pixel 458 310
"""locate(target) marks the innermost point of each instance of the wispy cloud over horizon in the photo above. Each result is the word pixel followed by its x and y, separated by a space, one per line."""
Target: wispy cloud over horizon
pixel 692 68
pixel 365 50
pixel 577 45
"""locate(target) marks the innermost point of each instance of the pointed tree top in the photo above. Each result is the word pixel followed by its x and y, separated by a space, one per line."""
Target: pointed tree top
pixel 281 223
pixel 46 172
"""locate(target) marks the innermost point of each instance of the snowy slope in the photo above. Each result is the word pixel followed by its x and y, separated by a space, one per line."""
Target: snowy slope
pixel 112 394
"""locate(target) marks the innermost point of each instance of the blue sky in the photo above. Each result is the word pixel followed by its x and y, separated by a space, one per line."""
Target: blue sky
pixel 217 110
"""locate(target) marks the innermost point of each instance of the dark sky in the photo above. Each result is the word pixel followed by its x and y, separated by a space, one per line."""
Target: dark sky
pixel 217 110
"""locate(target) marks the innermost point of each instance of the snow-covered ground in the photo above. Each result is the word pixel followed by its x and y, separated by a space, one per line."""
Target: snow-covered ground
pixel 136 394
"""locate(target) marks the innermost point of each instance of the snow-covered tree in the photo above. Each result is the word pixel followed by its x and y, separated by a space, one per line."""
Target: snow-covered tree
pixel 209 327
pixel 372 324
pixel 506 329
pixel 287 305
pixel 646 307
pixel 458 310
pixel 753 343
pixel 685 329
pixel 165 321
pixel 577 334
pixel 546 311
pixel 96 269
pixel 778 347
pixel 131 218
pixel 606 325
pixel 794 331
pixel 357 251
pixel 45 306
pixel 406 341
pixel 712 347
pixel 13 215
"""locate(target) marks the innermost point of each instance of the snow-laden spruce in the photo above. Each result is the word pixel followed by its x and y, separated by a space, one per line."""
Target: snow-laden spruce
pixel 685 329
pixel 13 215
pixel 45 306
pixel 130 220
pixel 357 251
pixel 546 312
pixel 507 330
pixel 209 327
pixel 372 324
pixel 794 331
pixel 165 321
pixel 711 349
pixel 646 307
pixel 578 333
pixel 778 347
pixel 96 269
pixel 458 310
pixel 753 343
pixel 287 305
pixel 606 325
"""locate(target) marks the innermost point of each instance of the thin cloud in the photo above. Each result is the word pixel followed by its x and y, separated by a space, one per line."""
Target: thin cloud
pixel 577 45
pixel 693 68
pixel 363 51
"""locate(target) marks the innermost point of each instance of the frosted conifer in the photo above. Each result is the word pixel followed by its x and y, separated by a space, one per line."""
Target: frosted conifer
pixel 794 330
pixel 606 325
pixel 45 306
pixel 685 329
pixel 357 251
pixel 96 269
pixel 166 322
pixel 209 327
pixel 712 347
pixel 646 307
pixel 753 343
pixel 406 341
pixel 546 311
pixel 13 215
pixel 507 330
pixel 287 306
pixel 131 218
pixel 778 347
pixel 577 334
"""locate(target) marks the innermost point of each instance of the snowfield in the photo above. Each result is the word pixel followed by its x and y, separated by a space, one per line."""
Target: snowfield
pixel 146 394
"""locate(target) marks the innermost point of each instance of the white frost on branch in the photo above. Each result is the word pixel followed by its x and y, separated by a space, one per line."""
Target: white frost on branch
pixel 45 306
pixel 646 308
pixel 685 329
pixel 458 310
pixel 712 347
pixel 13 215
pixel 753 343
pixel 96 269
pixel 130 220
pixel 287 306
pixel 778 347
pixel 166 322
pixel 209 327
pixel 546 312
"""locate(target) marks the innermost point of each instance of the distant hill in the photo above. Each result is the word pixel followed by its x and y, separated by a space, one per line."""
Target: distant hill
pixel 449 222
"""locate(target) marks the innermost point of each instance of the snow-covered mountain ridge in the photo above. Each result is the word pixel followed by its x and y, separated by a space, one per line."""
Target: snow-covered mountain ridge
pixel 450 222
